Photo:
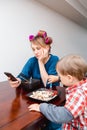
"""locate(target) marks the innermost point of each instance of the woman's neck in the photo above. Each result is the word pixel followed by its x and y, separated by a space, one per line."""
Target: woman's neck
pixel 46 59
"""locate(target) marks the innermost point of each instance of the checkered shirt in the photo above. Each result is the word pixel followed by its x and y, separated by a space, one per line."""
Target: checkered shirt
pixel 76 103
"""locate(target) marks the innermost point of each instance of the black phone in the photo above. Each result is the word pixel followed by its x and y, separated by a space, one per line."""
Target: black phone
pixel 11 76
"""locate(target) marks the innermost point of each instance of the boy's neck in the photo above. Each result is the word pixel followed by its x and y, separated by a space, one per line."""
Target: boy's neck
pixel 75 82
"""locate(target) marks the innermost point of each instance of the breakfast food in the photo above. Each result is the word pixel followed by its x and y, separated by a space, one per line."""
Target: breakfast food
pixel 44 95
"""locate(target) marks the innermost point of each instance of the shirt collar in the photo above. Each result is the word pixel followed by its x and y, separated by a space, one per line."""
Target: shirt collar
pixel 75 86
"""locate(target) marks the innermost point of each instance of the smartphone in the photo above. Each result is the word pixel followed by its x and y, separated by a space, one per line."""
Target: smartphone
pixel 10 75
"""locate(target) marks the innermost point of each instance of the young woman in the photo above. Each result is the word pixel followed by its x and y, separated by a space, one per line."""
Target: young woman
pixel 43 65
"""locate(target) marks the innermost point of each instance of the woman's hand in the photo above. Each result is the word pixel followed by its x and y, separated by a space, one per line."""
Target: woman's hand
pixel 14 84
pixel 34 107
pixel 52 78
pixel 44 54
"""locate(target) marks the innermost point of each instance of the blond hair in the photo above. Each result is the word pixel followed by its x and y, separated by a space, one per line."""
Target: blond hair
pixel 73 65
pixel 39 40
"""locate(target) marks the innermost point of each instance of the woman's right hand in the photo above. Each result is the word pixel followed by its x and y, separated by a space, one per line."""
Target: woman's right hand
pixel 14 84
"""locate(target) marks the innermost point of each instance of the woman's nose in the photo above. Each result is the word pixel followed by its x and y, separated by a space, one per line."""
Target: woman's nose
pixel 36 52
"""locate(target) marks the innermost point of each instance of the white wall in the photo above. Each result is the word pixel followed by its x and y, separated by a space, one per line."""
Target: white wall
pixel 19 18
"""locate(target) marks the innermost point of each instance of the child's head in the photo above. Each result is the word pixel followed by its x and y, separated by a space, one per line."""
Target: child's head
pixel 71 69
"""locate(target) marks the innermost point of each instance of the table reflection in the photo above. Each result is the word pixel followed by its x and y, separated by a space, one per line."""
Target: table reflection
pixel 15 104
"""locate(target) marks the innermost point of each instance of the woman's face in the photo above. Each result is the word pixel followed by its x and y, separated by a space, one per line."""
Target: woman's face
pixel 38 49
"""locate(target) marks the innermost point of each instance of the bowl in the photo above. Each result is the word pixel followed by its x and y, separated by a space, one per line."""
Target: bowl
pixel 30 85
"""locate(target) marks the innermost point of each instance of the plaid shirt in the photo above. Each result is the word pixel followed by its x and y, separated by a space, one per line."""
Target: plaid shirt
pixel 76 103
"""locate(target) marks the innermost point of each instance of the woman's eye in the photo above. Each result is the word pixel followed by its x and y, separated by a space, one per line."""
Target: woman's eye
pixel 38 48
pixel 33 49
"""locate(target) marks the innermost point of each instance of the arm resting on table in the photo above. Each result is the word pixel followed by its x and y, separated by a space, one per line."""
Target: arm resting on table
pixel 56 114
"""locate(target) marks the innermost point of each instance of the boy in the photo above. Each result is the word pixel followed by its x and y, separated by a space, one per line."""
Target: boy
pixel 73 115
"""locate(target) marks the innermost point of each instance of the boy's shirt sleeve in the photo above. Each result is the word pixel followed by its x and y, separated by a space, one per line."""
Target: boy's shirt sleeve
pixel 55 114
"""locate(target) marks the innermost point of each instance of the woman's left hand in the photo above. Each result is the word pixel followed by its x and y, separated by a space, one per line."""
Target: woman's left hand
pixel 34 107
pixel 52 78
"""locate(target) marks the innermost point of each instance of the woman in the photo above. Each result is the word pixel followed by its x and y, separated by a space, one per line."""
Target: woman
pixel 43 65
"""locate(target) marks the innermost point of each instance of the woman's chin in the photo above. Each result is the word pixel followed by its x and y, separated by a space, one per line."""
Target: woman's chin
pixel 37 57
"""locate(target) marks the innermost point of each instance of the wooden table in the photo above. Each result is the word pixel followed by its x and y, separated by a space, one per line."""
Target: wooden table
pixel 14 113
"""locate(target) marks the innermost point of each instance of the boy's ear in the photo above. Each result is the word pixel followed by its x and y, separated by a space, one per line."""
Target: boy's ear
pixel 70 78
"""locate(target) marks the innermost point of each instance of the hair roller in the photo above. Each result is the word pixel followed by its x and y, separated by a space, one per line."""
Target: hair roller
pixel 42 34
pixel 48 40
pixel 31 37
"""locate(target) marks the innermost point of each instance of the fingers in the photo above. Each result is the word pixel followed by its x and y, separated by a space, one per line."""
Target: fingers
pixel 50 79
pixel 14 84
pixel 45 52
pixel 53 78
pixel 34 107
